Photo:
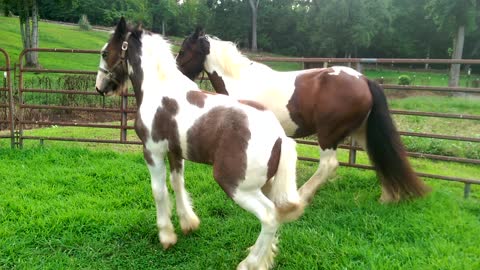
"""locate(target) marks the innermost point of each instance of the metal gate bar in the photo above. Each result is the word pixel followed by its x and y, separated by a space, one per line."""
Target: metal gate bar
pixel 9 105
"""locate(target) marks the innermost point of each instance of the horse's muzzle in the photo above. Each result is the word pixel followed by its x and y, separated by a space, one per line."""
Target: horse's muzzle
pixel 100 92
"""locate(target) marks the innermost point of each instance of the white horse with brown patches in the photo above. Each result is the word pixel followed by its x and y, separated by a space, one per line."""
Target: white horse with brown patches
pixel 330 103
pixel 253 160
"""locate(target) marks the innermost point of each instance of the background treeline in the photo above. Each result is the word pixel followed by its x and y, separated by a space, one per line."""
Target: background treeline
pixel 326 28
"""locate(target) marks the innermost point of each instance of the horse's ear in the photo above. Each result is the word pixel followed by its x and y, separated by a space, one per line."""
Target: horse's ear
pixel 138 30
pixel 198 33
pixel 121 28
pixel 201 31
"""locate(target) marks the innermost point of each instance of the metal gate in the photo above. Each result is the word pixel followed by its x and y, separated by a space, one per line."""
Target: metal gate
pixel 59 97
pixel 7 127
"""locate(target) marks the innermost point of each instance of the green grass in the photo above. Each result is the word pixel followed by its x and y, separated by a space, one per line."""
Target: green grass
pixel 444 126
pixel 67 207
pixel 54 36
pixel 418 77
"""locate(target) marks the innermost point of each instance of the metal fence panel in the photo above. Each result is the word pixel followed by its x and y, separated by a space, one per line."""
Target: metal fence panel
pixel 6 101
pixel 72 100
pixel 124 110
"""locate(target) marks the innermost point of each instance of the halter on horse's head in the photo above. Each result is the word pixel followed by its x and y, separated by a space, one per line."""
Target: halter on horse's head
pixel 192 54
pixel 113 70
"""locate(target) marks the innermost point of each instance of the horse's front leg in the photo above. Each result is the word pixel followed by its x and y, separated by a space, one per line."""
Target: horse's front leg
pixel 156 166
pixel 188 219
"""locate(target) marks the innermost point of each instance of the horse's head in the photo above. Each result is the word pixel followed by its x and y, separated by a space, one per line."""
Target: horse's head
pixel 112 73
pixel 193 53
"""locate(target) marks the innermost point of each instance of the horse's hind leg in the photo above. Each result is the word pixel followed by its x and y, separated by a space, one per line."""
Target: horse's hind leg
pixel 326 167
pixel 263 252
pixel 156 166
pixel 360 137
pixel 188 219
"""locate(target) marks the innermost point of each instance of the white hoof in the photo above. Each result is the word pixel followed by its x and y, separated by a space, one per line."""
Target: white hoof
pixel 167 238
pixel 189 223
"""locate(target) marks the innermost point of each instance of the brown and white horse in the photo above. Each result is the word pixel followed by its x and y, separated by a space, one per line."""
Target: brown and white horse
pixel 331 103
pixel 253 160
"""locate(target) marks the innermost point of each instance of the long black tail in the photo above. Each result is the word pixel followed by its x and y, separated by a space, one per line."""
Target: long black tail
pixel 386 151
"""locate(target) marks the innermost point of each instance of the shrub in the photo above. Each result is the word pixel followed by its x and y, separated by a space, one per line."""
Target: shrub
pixel 404 80
pixel 84 23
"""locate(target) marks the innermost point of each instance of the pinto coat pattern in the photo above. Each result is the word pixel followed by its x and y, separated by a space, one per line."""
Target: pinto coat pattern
pixel 253 160
pixel 330 103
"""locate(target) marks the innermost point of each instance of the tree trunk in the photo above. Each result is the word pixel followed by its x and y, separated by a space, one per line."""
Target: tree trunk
pixel 28 37
pixel 25 29
pixel 163 27
pixel 254 7
pixel 34 33
pixel 454 79
pixel 427 57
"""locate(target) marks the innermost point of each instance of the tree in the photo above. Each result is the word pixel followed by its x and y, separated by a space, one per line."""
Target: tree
pixel 162 12
pixel 254 8
pixel 193 13
pixel 347 25
pixel 456 17
pixel 28 16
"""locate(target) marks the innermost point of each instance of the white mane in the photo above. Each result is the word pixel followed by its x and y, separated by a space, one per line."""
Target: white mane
pixel 225 56
pixel 157 52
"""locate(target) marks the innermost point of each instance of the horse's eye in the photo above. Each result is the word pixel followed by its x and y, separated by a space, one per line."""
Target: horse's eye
pixel 104 54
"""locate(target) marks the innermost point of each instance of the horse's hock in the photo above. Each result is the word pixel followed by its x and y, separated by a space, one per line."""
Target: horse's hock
pixel 73 105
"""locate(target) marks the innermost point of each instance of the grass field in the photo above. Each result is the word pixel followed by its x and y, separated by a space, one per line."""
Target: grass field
pixel 71 207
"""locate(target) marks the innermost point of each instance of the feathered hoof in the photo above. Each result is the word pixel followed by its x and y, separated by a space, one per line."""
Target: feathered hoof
pixel 167 239
pixel 252 262
pixel 387 198
pixel 189 224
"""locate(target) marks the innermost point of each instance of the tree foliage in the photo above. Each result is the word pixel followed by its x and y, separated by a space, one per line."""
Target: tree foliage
pixel 340 28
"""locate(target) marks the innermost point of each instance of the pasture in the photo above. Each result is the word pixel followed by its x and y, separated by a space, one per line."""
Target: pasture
pixel 67 206
pixel 74 206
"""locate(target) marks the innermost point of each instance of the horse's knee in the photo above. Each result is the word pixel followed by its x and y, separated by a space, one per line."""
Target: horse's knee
pixel 289 211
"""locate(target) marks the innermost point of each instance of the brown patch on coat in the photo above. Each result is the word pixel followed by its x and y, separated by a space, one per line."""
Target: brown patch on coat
pixel 175 161
pixel 332 106
pixel 196 98
pixel 220 137
pixel 165 128
pixel 147 155
pixel 274 159
pixel 253 104
pixel 217 83
pixel 142 133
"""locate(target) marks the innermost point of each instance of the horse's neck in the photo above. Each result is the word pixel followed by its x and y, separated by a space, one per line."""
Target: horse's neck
pixel 237 69
pixel 171 84
pixel 161 76
pixel 247 78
